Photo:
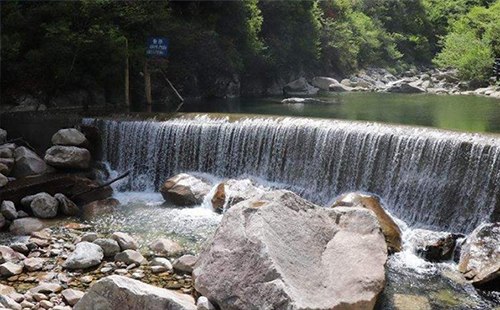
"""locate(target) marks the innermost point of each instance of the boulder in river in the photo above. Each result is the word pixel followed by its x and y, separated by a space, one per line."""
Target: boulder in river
pixel 283 252
pixel 97 208
pixel 480 254
pixel 109 246
pixel 165 247
pixel 300 87
pixel 69 137
pixel 185 190
pixel 433 246
pixel 120 293
pixel 125 241
pixel 296 100
pixel 390 229
pixel 130 257
pixel 68 157
pixel 28 163
pixel 404 87
pixel 85 255
pixel 231 192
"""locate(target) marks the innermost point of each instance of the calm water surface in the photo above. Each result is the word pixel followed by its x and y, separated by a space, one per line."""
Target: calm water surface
pixel 464 113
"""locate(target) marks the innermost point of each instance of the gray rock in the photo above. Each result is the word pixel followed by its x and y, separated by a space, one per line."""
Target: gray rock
pixel 26 201
pixel 480 254
pixel 4 169
pixel 69 137
pixel 3 221
pixel 9 255
pixel 89 236
pixel 231 192
pixel 68 157
pixel 44 206
pixel 72 296
pixel 3 180
pixel 33 263
pixel 259 259
pixel 185 190
pixel 296 100
pixel 8 302
pixel 8 210
pixel 125 241
pixel 161 262
pixel 185 263
pixel 46 288
pixel 27 225
pixel 20 247
pixel 300 87
pixel 109 246
pixel 404 87
pixel 85 255
pixel 3 135
pixel 433 246
pixel 67 206
pixel 130 257
pixel 28 163
pixel 22 214
pixel 323 83
pixel 119 293
pixel 165 247
pixel 9 269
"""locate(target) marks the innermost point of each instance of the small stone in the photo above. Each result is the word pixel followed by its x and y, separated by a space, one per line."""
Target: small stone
pixel 158 269
pixel 33 264
pixel 9 303
pixel 109 246
pixel 87 279
pixel 86 255
pixel 39 297
pixel 22 214
pixel 46 304
pixel 165 247
pixel 130 257
pixel 72 296
pixel 125 241
pixel 27 304
pixel 46 288
pixel 185 263
pixel 89 237
pixel 161 261
pixel 67 206
pixel 106 269
pixel 121 271
pixel 8 210
pixel 138 275
pixel 9 269
pixel 20 247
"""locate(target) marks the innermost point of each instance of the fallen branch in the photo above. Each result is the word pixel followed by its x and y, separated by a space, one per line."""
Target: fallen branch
pixel 102 185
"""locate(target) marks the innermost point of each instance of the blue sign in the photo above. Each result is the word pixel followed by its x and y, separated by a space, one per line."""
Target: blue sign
pixel 157 47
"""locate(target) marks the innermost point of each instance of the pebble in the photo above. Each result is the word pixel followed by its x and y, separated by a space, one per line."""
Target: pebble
pixel 46 304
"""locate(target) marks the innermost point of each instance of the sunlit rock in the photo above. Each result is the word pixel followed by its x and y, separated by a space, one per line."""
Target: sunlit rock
pixel 68 157
pixel 118 293
pixel 390 229
pixel 231 192
pixel 480 254
pixel 283 252
pixel 185 190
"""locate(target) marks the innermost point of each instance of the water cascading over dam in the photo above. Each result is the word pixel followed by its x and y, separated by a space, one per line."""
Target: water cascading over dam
pixel 425 176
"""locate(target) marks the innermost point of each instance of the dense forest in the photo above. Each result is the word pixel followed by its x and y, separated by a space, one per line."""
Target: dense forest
pixel 243 48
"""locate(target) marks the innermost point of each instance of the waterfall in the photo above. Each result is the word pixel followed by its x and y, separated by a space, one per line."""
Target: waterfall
pixel 427 177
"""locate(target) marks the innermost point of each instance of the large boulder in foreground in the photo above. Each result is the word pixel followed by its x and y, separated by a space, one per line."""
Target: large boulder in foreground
pixel 390 229
pixel 28 163
pixel 122 293
pixel 68 157
pixel 232 192
pixel 480 254
pixel 185 190
pixel 69 137
pixel 283 252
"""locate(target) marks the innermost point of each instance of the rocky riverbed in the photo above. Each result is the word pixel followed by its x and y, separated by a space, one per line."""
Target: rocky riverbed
pixel 431 81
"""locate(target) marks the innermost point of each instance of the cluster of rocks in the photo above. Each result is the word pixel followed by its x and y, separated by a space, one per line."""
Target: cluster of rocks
pixel 53 269
pixel 68 152
pixel 380 80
